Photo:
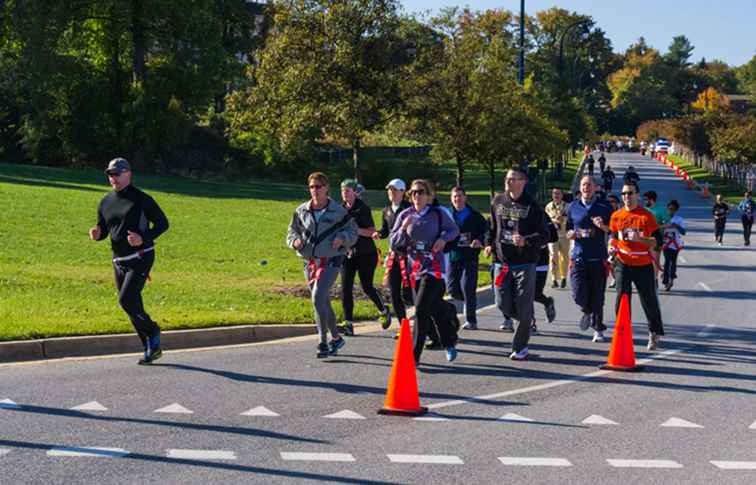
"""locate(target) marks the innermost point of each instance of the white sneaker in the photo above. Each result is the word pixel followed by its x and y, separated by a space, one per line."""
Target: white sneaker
pixel 653 341
pixel 507 326
pixel 598 336
pixel 521 355
pixel 470 326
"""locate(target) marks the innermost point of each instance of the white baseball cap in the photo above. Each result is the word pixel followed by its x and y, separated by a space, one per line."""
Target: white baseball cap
pixel 398 184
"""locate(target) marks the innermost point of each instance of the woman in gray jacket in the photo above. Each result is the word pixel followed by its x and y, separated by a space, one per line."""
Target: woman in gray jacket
pixel 321 231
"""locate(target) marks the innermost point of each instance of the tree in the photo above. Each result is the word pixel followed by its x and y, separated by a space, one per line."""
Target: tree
pixel 329 70
pixel 711 102
pixel 736 141
pixel 679 53
pixel 746 76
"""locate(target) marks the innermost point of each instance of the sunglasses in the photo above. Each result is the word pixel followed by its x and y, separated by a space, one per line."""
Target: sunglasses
pixel 513 179
pixel 418 192
pixel 628 193
pixel 316 187
pixel 114 174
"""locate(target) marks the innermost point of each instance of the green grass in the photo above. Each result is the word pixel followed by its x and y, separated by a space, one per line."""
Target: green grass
pixel 730 191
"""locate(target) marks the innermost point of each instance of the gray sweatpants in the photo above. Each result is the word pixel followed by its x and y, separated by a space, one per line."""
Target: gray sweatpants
pixel 325 318
pixel 515 299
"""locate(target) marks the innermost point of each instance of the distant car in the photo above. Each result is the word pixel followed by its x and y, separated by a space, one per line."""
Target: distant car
pixel 662 145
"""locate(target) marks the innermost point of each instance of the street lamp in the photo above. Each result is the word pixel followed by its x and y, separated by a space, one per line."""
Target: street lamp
pixel 521 76
pixel 561 44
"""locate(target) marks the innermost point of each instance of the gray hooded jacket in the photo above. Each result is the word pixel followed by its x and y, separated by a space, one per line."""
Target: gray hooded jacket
pixel 334 223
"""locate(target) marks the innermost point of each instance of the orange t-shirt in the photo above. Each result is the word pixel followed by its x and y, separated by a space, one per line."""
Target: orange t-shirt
pixel 623 222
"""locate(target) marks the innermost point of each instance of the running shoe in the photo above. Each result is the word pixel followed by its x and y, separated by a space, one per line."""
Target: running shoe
pixel 598 336
pixel 322 351
pixel 555 284
pixel 613 284
pixel 653 341
pixel 521 355
pixel 533 328
pixel 431 345
pixel 334 345
pixel 550 310
pixel 507 326
pixel 347 328
pixel 470 326
pixel 153 351
pixel 564 283
pixel 585 321
pixel 451 354
pixel 386 319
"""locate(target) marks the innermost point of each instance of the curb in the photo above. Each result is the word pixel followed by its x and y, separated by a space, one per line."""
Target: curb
pixel 100 345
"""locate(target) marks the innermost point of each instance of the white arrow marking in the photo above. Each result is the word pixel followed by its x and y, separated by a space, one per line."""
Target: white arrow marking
pixel 515 417
pixel 174 408
pixel 345 414
pixel 680 423
pixel 90 406
pixel 260 411
pixel 3 451
pixel 91 452
pixel 735 465
pixel 596 419
pixel 753 426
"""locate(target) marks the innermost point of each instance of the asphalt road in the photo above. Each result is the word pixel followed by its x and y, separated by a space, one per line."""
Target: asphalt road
pixel 689 417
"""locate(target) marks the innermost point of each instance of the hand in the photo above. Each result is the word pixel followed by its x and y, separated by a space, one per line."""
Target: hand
pixel 518 240
pixel 297 244
pixel 406 223
pixel 487 251
pixel 476 244
pixel 376 235
pixel 571 234
pixel 438 246
pixel 337 243
pixel 134 239
pixel 94 233
pixel 598 222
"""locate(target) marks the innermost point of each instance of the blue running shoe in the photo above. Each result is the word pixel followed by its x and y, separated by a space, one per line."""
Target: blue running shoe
pixel 153 352
pixel 335 345
pixel 451 354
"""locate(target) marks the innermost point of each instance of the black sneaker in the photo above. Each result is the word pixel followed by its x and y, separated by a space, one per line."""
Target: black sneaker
pixel 347 329
pixel 533 328
pixel 386 319
pixel 322 351
pixel 564 283
pixel 431 345
pixel 335 345
pixel 585 321
pixel 550 310
pixel 555 284
pixel 153 351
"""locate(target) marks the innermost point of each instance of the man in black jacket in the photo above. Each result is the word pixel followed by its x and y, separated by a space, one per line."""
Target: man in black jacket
pixel 463 259
pixel 133 220
pixel 517 232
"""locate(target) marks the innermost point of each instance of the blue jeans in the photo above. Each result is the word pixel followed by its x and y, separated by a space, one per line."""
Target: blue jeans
pixel 462 281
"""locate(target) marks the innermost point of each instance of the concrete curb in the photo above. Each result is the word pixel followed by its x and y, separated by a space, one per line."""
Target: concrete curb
pixel 99 345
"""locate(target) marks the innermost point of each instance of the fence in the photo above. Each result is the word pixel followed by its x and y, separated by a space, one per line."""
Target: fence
pixel 744 175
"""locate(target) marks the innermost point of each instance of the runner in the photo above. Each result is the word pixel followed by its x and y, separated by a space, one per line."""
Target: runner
pixel 587 225
pixel 634 233
pixel 424 231
pixel 321 231
pixel 133 220
pixel 591 163
pixel 747 208
pixel 361 259
pixel 673 230
pixel 560 249
pixel 615 204
pixel 517 231
pixel 602 162
pixel 397 270
pixel 660 213
pixel 631 176
pixel 720 211
pixel 463 259
pixel 542 273
pixel 608 177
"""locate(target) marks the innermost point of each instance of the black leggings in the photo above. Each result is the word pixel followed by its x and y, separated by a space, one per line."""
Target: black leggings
pixel 747 226
pixel 644 278
pixel 540 285
pixel 401 296
pixel 719 228
pixel 130 277
pixel 429 311
pixel 364 265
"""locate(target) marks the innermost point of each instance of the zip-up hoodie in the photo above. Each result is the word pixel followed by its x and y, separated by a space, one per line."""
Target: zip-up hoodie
pixel 523 216
pixel 306 227
pixel 419 237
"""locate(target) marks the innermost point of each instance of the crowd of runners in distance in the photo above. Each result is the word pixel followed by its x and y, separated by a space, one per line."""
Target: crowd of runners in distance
pixel 589 238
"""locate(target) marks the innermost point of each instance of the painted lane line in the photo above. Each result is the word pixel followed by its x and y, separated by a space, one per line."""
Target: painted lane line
pixel 427 459
pixel 705 287
pixel 88 452
pixel 679 423
pixel 174 408
pixel 734 465
pixel 301 456
pixel 515 417
pixel 753 426
pixel 706 331
pixel 260 411
pixel 619 463
pixel 345 414
pixel 201 454
pixel 682 259
pixel 596 419
pixel 528 461
pixel 4 451
pixel 8 404
pixel 90 406
pixel 548 385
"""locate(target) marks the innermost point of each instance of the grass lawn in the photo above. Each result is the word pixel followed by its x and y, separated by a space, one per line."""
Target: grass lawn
pixel 222 262
pixel 730 191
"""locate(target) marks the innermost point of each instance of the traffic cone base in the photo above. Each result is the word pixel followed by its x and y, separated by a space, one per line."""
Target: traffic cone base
pixel 637 368
pixel 402 395
pixel 622 353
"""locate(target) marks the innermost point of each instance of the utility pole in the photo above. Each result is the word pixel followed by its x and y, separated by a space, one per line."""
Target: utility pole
pixel 522 43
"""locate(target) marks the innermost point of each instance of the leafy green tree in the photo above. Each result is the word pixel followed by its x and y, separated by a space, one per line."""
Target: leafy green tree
pixel 679 53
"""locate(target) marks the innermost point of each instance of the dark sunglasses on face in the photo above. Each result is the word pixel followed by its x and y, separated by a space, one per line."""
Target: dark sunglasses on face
pixel 628 193
pixel 316 187
pixel 418 192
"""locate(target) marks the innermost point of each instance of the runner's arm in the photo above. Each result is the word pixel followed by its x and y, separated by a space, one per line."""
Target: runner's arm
pixel 157 217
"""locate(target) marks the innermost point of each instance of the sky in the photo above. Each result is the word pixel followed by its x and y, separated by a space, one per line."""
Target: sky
pixel 718 29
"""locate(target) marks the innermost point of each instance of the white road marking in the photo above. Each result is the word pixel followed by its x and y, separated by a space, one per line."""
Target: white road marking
pixel 596 419
pixel 430 459
pixel 515 417
pixel 705 287
pixel 300 456
pixel 174 408
pixel 548 385
pixel 90 406
pixel 734 465
pixel 430 417
pixel 4 451
pixel 345 414
pixel 706 331
pixel 201 454
pixel 90 452
pixel 619 463
pixel 8 404
pixel 528 461
pixel 679 423
pixel 753 426
pixel 260 411
pixel 682 259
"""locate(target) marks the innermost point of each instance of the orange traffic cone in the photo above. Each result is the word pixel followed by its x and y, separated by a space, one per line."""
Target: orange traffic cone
pixel 402 397
pixel 622 353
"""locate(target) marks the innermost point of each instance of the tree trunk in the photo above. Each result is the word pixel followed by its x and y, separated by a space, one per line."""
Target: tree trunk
pixel 460 170
pixel 492 178
pixel 115 76
pixel 356 159
pixel 139 76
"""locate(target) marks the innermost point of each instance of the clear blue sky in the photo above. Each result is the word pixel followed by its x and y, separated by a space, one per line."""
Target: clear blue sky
pixel 719 29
